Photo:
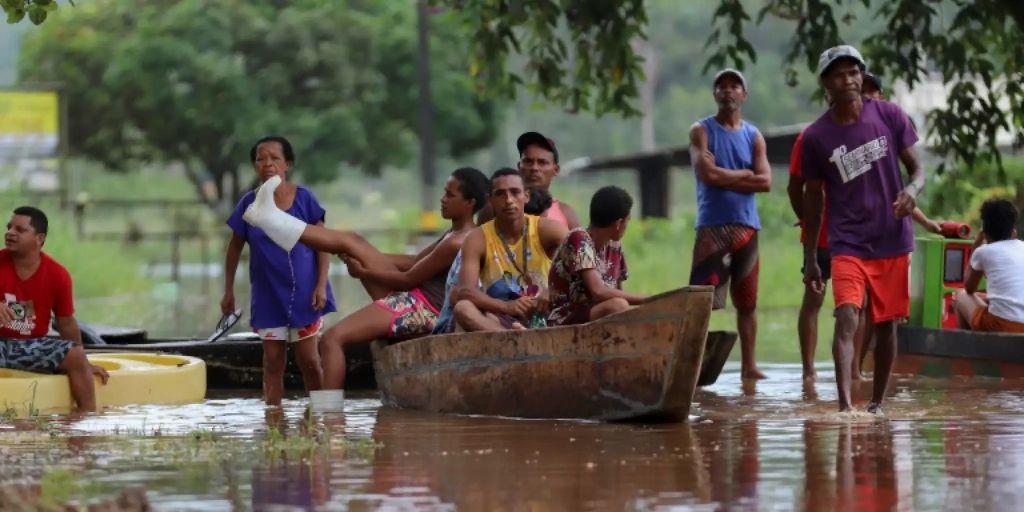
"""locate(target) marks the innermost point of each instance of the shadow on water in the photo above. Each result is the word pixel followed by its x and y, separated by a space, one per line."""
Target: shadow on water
pixel 773 445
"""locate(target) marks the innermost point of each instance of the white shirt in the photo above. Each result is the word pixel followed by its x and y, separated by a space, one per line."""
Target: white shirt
pixel 1003 265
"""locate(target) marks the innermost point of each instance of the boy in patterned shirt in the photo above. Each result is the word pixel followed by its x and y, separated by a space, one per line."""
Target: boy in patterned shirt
pixel 585 280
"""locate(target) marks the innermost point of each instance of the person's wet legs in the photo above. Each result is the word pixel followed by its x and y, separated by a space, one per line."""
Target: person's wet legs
pixel 363 326
pixel 885 358
pixel 275 358
pixel 843 352
pixel 807 329
pixel 746 325
pixel 307 357
pixel 83 388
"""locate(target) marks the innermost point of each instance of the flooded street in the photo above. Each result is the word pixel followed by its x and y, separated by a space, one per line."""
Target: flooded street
pixel 774 445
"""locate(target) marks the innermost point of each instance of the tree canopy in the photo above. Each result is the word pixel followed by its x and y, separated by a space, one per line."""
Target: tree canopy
pixel 197 82
pixel 578 53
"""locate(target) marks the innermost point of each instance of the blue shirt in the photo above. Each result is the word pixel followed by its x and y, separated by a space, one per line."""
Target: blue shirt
pixel 282 282
pixel 733 150
pixel 445 323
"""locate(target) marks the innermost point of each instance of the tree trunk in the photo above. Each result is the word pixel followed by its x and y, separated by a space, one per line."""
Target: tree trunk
pixel 197 183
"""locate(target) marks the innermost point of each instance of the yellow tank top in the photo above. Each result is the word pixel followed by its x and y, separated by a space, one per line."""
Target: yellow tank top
pixel 502 270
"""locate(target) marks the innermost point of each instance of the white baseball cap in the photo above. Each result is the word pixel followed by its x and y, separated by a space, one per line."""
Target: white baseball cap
pixel 729 71
pixel 843 51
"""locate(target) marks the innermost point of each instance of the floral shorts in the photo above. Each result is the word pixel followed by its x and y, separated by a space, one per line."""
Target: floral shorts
pixel 411 313
pixel 34 354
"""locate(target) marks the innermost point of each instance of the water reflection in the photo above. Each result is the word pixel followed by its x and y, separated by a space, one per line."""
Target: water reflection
pixel 777 445
pixel 493 464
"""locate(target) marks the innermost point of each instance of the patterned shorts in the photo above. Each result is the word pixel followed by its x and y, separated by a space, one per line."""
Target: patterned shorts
pixel 289 334
pixel 726 256
pixel 411 313
pixel 35 354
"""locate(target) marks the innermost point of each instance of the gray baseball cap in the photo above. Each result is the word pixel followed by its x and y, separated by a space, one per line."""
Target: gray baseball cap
pixel 843 51
pixel 729 71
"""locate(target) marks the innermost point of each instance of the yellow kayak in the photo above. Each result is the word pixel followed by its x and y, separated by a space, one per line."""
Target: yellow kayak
pixel 135 378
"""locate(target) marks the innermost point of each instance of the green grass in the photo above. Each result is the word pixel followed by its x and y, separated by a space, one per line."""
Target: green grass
pixel 98 269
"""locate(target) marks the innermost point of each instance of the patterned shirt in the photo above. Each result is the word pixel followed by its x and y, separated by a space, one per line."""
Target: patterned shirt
pixel 577 253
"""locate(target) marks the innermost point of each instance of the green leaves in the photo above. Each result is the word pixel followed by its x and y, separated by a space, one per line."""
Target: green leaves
pixel 37 10
pixel 975 47
pixel 197 82
pixel 574 53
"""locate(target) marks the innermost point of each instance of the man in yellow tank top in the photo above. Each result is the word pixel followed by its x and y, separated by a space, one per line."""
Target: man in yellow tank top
pixel 510 256
pixel 538 164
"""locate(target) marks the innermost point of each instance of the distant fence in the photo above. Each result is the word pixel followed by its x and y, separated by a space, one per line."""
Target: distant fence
pixel 179 222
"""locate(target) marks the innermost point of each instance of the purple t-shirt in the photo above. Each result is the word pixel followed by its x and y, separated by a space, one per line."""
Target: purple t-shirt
pixel 278 299
pixel 860 166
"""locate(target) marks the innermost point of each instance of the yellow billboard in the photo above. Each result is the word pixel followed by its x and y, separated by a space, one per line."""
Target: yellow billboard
pixel 29 139
pixel 28 112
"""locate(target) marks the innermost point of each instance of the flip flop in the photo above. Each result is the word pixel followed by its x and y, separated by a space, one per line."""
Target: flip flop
pixel 225 324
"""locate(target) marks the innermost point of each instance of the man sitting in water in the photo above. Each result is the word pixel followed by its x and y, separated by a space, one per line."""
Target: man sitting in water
pixel 34 285
pixel 589 268
pixel 999 257
pixel 510 256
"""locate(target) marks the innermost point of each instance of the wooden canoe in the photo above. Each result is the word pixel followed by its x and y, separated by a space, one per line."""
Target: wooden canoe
pixel 955 352
pixel 641 364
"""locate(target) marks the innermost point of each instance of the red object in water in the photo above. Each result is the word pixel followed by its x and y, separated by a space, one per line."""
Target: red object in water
pixel 952 229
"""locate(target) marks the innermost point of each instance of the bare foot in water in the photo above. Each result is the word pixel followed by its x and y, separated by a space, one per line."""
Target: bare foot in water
pixel 810 376
pixel 753 373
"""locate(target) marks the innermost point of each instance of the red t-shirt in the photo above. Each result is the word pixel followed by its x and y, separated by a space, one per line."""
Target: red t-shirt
pixel 46 291
pixel 794 170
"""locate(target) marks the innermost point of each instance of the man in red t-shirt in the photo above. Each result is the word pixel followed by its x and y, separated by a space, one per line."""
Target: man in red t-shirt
pixel 807 324
pixel 33 286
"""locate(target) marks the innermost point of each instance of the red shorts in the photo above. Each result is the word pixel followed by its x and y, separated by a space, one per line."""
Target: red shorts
pixel 887 280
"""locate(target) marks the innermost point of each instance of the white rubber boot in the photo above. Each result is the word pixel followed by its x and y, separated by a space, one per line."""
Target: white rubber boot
pixel 282 228
pixel 327 400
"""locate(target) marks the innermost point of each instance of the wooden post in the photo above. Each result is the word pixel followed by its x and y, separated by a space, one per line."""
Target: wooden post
pixel 205 255
pixel 80 219
pixel 175 257
pixel 654 189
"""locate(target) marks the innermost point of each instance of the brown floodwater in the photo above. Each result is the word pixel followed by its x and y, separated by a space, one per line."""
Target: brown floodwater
pixel 774 445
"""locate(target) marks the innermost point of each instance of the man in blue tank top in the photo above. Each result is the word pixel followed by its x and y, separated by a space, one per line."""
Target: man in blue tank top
pixel 731 165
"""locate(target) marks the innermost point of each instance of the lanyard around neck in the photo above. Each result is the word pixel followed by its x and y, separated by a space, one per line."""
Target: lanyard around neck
pixel 512 256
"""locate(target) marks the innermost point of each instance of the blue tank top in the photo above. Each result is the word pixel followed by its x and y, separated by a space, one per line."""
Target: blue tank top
pixel 733 150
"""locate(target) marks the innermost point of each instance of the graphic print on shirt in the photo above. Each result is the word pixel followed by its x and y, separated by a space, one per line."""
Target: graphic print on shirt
pixel 24 314
pixel 852 164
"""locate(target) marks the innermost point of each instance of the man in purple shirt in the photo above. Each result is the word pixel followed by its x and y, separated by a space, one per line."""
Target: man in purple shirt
pixel 851 155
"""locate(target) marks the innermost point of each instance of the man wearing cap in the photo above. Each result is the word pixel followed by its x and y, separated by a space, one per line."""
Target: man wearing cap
pixel 807 323
pixel 538 163
pixel 730 159
pixel 851 156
